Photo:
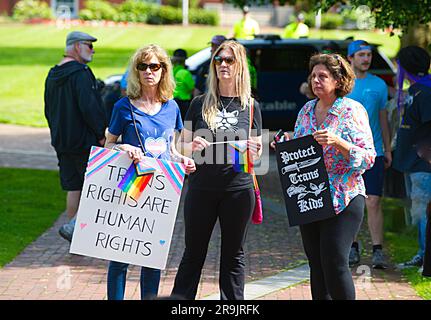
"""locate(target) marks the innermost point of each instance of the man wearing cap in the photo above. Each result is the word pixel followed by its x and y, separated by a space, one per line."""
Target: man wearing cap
pixel 297 29
pixel 372 93
pixel 76 118
pixel 185 84
pixel 247 27
pixel 202 74
pixel 413 65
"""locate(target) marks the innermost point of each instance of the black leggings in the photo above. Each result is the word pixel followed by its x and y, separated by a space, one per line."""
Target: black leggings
pixel 327 245
pixel 201 210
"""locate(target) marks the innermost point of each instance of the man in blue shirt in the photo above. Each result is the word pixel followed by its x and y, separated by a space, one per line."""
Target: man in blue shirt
pixel 372 93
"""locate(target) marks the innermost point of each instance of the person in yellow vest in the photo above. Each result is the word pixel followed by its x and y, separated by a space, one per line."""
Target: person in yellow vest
pixel 297 29
pixel 185 84
pixel 247 27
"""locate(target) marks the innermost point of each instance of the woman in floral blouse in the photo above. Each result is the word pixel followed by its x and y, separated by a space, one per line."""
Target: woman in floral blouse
pixel 341 126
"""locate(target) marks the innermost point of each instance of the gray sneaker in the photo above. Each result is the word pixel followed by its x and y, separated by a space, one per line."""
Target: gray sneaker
pixel 66 230
pixel 354 256
pixel 378 260
pixel 416 261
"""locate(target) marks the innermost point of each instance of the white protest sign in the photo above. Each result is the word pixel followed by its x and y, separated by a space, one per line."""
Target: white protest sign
pixel 112 225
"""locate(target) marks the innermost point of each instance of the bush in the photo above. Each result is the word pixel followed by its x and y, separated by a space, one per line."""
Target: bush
pixel 144 12
pixel 30 9
pixel 332 21
pixel 166 15
pixel 98 10
pixel 135 11
pixel 329 20
pixel 200 16
pixel 193 4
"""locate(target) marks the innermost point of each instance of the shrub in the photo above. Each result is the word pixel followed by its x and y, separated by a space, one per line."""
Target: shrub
pixel 98 10
pixel 144 12
pixel 332 21
pixel 30 9
pixel 200 16
pixel 329 20
pixel 135 11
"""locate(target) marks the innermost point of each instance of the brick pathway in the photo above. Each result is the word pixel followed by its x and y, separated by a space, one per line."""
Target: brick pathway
pixel 45 269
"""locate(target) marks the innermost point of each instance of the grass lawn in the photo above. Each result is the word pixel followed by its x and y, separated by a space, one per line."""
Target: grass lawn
pixel 30 202
pixel 403 245
pixel 27 52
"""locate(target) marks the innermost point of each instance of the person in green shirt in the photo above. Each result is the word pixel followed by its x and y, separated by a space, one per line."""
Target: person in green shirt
pixel 297 29
pixel 185 84
pixel 247 27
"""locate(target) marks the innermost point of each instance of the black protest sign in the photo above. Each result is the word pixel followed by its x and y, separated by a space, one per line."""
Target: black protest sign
pixel 304 181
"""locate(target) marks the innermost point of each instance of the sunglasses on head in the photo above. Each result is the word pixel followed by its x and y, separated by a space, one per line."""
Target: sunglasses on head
pixel 144 66
pixel 90 45
pixel 218 60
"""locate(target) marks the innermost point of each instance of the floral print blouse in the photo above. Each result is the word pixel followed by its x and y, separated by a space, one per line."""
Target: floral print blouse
pixel 348 119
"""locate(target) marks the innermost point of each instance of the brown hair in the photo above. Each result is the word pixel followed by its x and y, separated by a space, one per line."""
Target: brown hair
pixel 339 68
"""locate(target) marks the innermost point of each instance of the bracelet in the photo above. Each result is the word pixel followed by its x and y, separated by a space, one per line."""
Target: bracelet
pixel 116 147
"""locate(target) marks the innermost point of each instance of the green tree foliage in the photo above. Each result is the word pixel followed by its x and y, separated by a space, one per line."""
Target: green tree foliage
pixel 412 18
pixel 396 14
pixel 30 9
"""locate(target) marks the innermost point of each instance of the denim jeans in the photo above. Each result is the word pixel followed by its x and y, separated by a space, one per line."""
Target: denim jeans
pixel 418 189
pixel 117 272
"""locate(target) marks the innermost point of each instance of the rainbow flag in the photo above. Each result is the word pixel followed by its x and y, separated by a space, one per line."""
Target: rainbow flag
pixel 174 172
pixel 136 179
pixel 240 156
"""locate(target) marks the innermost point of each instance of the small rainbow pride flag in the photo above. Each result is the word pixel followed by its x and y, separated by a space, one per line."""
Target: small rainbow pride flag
pixel 241 159
pixel 136 179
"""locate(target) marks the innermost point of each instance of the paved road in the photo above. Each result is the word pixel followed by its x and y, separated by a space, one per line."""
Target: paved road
pixel 45 269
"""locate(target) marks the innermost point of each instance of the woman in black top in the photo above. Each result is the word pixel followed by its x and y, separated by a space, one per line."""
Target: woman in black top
pixel 216 190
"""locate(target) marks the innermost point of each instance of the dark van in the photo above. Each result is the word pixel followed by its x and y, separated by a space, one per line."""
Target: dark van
pixel 282 66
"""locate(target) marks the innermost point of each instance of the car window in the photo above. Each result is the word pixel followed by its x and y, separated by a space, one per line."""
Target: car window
pixel 195 61
pixel 282 59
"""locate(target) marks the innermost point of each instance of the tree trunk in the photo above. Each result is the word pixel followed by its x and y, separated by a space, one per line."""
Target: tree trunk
pixel 419 35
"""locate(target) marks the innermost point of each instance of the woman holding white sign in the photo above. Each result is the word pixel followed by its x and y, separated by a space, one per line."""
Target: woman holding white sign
pixel 225 116
pixel 341 126
pixel 147 119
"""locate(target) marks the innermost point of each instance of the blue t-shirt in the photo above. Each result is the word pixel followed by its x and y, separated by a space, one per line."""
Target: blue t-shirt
pixel 156 131
pixel 372 93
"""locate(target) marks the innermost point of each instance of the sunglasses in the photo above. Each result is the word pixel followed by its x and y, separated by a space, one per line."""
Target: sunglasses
pixel 90 45
pixel 144 66
pixel 218 60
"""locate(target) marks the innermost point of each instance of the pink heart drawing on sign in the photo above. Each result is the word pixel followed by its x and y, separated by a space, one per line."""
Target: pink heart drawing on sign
pixel 83 225
pixel 155 146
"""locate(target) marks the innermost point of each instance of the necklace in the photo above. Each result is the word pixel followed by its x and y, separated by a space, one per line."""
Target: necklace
pixel 147 109
pixel 222 105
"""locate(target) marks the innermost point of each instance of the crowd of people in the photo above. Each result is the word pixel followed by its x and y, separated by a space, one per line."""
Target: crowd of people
pixel 346 115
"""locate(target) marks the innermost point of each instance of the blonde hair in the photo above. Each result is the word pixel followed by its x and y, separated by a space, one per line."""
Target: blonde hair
pixel 339 68
pixel 242 82
pixel 166 85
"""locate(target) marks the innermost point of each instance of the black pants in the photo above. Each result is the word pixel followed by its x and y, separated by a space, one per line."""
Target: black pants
pixel 201 210
pixel 327 245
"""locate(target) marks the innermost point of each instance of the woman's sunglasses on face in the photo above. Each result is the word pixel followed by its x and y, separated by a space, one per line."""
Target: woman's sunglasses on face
pixel 144 66
pixel 218 60
pixel 89 45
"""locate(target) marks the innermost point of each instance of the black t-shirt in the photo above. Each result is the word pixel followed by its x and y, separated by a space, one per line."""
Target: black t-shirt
pixel 416 118
pixel 213 171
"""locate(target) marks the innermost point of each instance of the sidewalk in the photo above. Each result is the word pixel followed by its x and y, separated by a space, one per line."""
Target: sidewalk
pixel 45 269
